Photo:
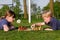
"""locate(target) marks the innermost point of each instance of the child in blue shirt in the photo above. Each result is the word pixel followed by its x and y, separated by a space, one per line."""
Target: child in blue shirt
pixel 48 20
pixel 5 23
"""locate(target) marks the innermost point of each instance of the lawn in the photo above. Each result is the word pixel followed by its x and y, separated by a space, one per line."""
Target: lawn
pixel 29 35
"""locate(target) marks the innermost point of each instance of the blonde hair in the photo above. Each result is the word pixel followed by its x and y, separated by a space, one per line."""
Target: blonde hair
pixel 47 13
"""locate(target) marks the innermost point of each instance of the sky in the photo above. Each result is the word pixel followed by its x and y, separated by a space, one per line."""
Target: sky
pixel 40 3
pixel 5 1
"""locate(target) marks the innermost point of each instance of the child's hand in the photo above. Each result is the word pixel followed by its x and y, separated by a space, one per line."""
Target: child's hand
pixel 38 24
pixel 33 25
pixel 48 29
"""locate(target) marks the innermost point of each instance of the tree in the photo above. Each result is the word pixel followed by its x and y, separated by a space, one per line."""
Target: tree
pixel 4 9
pixel 17 8
pixel 46 7
pixel 58 0
pixel 25 9
pixel 34 8
pixel 56 9
pixel 51 6
pixel 38 10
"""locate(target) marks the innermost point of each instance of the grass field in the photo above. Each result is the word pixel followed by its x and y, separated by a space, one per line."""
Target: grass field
pixel 29 35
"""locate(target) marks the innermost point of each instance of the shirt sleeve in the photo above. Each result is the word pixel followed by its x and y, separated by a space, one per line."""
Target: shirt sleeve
pixel 4 22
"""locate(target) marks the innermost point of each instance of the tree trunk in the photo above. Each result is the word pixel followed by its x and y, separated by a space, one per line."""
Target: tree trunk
pixel 51 6
pixel 25 9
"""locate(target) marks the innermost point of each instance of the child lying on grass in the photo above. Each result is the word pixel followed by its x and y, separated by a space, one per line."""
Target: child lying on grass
pixel 5 23
pixel 49 20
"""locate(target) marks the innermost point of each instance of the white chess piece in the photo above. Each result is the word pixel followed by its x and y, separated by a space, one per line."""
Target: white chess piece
pixel 18 21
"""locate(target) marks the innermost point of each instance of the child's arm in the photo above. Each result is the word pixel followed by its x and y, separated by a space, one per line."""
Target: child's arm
pixel 5 28
pixel 11 26
pixel 38 24
pixel 48 29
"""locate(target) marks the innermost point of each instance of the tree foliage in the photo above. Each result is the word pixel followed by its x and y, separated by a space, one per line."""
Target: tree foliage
pixel 4 9
pixel 17 8
pixel 38 10
pixel 34 8
pixel 57 9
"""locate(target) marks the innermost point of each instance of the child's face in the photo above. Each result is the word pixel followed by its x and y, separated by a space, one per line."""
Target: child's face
pixel 46 19
pixel 10 19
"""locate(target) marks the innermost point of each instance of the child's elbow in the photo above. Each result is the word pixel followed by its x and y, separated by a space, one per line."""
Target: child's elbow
pixel 6 30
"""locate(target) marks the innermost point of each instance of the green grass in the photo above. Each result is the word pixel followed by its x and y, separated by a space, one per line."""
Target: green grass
pixel 29 35
pixel 32 35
